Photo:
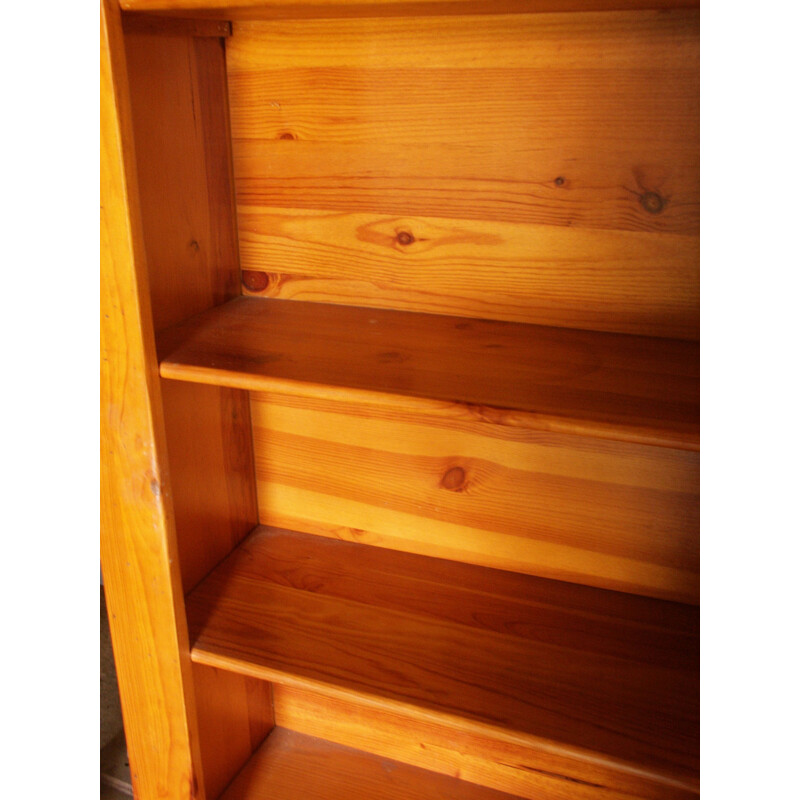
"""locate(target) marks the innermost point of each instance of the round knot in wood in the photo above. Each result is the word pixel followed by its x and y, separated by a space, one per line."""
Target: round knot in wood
pixel 455 479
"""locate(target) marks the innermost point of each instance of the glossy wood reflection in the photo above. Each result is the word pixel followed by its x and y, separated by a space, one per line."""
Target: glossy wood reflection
pixel 287 608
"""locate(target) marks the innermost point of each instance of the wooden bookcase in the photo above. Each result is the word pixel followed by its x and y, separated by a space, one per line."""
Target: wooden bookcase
pixel 400 396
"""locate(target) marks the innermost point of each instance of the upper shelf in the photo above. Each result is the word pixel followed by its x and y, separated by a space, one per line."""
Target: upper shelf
pixel 616 386
pixel 277 9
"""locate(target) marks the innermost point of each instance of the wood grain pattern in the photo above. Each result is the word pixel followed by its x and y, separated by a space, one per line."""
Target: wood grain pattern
pixel 597 280
pixel 307 9
pixel 330 772
pixel 174 26
pixel 183 144
pixel 600 384
pixel 502 765
pixel 211 459
pixel 179 103
pixel 548 162
pixel 234 715
pixel 617 515
pixel 138 546
pixel 308 620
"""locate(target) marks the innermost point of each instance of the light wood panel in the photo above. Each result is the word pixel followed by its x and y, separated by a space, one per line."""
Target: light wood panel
pixel 597 280
pixel 502 765
pixel 600 384
pixel 326 771
pixel 611 514
pixel 234 715
pixel 179 104
pixel 138 546
pixel 549 162
pixel 306 618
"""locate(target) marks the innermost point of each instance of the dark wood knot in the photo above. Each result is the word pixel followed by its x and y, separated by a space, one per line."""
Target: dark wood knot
pixel 652 203
pixel 255 280
pixel 405 238
pixel 455 479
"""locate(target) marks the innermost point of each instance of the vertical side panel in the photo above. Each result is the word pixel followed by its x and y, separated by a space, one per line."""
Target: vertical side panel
pixel 211 459
pixel 180 126
pixel 137 540
pixel 235 714
pixel 180 120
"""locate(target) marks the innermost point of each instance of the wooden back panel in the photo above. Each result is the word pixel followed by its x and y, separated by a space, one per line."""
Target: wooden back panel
pixel 615 515
pixel 537 167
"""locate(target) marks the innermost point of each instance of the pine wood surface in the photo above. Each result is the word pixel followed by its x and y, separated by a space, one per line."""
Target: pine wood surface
pixel 617 515
pixel 469 755
pixel 174 26
pixel 179 105
pixel 138 546
pixel 305 9
pixel 325 771
pixel 283 607
pixel 180 120
pixel 535 168
pixel 234 717
pixel 608 385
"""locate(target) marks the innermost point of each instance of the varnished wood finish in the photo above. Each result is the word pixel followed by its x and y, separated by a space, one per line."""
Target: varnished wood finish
pixel 617 515
pixel 309 9
pixel 138 546
pixel 174 26
pixel 605 385
pixel 535 168
pixel 211 456
pixel 506 766
pixel 443 174
pixel 416 637
pixel 235 715
pixel 290 765
pixel 179 104
pixel 180 126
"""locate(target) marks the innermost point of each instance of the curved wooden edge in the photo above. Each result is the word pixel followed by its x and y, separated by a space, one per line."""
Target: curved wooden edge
pixel 638 434
pixel 572 754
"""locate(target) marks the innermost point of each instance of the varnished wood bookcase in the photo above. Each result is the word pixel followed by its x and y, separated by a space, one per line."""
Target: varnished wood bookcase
pixel 400 429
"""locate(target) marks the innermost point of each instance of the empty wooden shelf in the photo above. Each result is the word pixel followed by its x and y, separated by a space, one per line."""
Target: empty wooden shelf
pixel 606 681
pixel 633 388
pixel 400 397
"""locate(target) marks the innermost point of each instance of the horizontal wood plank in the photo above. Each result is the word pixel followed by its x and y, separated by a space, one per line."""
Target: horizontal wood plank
pixel 502 765
pixel 617 515
pixel 290 765
pixel 635 283
pixel 324 9
pixel 536 168
pixel 174 26
pixel 606 385
pixel 331 617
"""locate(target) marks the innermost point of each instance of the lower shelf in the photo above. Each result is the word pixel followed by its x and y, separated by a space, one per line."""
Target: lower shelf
pixel 290 765
pixel 596 688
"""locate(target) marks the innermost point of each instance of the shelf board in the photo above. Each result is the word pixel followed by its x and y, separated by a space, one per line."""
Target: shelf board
pixel 303 9
pixel 325 771
pixel 591 682
pixel 631 388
